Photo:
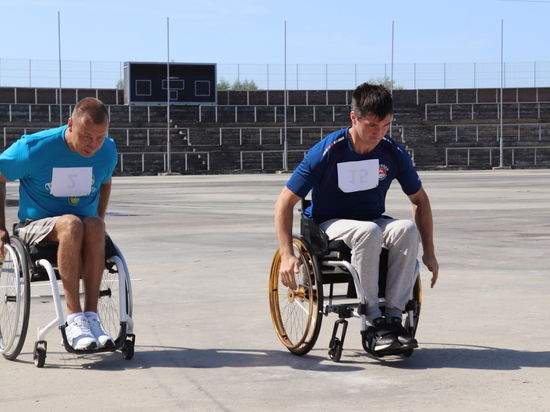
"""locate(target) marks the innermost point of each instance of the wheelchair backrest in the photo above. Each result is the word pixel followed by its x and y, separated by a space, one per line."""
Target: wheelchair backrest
pixel 316 237
pixel 312 233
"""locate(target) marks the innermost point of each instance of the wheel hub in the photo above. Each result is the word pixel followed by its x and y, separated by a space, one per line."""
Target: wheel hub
pixel 297 294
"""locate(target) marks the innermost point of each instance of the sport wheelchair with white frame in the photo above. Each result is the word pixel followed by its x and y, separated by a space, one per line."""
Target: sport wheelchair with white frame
pixel 23 266
pixel 326 276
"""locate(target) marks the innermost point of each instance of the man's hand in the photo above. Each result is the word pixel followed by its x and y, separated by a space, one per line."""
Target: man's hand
pixel 290 265
pixel 431 263
pixel 422 212
pixel 4 238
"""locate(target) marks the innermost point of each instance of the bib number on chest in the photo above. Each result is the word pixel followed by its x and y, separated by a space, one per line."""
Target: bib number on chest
pixel 71 181
pixel 358 176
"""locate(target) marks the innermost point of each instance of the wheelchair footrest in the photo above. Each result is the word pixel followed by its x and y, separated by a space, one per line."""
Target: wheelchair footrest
pixel 119 342
pixel 392 351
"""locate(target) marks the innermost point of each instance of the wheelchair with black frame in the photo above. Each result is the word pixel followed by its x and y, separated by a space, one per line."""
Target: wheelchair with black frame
pixel 328 283
pixel 24 265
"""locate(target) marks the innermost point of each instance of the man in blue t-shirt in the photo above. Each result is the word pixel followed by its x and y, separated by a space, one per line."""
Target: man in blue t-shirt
pixel 349 173
pixel 64 187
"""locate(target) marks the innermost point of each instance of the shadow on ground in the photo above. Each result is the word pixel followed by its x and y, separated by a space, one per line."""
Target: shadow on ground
pixel 430 356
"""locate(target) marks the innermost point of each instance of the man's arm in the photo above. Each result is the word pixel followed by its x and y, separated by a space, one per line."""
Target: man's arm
pixel 422 213
pixel 104 195
pixel 284 210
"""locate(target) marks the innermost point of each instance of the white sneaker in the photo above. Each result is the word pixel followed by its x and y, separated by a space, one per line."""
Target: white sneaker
pixel 79 335
pixel 104 340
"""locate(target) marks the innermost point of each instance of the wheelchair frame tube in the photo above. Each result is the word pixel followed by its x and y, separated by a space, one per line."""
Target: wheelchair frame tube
pixel 358 289
pixel 124 286
pixel 128 285
pixel 361 293
pixel 60 319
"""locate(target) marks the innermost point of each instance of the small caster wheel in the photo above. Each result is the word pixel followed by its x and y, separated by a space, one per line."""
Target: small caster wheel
pixel 128 348
pixel 335 351
pixel 39 354
pixel 408 353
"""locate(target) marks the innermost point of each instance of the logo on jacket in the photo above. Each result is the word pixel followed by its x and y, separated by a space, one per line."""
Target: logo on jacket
pixel 382 172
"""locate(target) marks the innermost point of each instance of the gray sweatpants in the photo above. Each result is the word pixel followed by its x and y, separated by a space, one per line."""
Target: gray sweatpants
pixel 366 239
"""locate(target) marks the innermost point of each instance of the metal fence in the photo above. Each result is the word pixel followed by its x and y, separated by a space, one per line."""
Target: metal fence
pixel 107 75
pixel 490 156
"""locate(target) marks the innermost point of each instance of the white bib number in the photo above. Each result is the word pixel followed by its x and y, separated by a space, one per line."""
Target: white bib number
pixel 71 181
pixel 358 176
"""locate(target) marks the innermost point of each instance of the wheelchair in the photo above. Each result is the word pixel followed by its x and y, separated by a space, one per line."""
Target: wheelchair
pixel 327 283
pixel 23 265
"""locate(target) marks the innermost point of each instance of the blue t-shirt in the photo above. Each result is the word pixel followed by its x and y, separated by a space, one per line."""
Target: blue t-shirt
pixel 349 185
pixel 32 160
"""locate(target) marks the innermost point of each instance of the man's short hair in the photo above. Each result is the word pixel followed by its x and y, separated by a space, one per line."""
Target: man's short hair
pixel 92 107
pixel 371 98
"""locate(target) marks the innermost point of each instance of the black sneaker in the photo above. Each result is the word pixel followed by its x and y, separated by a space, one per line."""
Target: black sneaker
pixel 380 336
pixel 403 335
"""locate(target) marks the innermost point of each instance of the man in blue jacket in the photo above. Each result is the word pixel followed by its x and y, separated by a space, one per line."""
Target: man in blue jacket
pixel 349 173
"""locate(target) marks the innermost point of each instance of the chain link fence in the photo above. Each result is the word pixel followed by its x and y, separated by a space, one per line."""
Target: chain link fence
pixel 107 75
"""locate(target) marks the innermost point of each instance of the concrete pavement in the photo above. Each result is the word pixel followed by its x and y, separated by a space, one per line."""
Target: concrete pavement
pixel 199 249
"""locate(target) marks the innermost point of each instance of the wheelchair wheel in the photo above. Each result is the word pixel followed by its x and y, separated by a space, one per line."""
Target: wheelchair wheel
pixel 297 314
pixel 14 299
pixel 417 299
pixel 109 306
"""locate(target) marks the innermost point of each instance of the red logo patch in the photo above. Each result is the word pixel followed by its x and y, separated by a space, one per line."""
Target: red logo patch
pixel 382 172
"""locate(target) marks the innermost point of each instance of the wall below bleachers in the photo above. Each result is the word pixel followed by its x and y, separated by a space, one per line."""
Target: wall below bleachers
pixel 245 131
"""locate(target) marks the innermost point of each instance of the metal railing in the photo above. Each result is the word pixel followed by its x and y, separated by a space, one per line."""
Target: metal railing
pixel 163 155
pixel 510 151
pixel 456 111
pixel 129 134
pixel 492 130
pixel 260 133
pixel 263 153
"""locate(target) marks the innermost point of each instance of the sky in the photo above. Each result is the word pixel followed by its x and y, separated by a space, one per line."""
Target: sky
pixel 253 32
pixel 305 32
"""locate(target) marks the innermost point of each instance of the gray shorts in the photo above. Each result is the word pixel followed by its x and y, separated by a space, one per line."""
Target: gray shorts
pixel 34 231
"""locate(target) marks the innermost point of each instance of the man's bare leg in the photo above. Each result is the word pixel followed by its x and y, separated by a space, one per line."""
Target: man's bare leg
pixel 68 233
pixel 93 263
pixel 93 260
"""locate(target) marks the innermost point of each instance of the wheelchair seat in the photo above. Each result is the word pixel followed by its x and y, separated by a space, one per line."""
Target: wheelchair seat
pixel 48 251
pixel 327 250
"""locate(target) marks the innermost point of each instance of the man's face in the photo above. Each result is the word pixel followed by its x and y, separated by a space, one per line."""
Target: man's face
pixel 370 129
pixel 85 137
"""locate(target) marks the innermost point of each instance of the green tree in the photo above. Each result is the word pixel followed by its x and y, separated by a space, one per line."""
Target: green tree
pixel 249 85
pixel 237 85
pixel 386 82
pixel 224 84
